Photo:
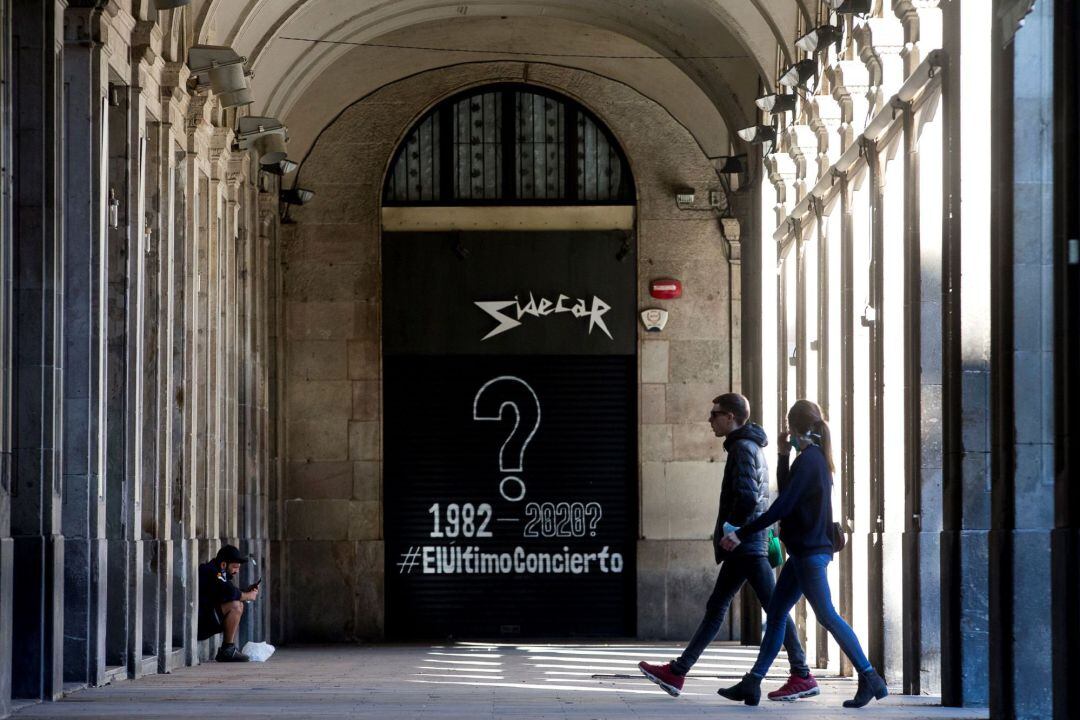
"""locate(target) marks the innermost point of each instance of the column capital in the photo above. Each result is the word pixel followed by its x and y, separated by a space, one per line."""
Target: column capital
pixel 826 121
pixel 921 20
pixel 782 172
pixel 801 143
pixel 731 230
pixel 85 27
pixel 880 42
pixel 850 82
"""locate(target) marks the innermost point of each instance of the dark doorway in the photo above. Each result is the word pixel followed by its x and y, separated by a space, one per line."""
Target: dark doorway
pixel 510 434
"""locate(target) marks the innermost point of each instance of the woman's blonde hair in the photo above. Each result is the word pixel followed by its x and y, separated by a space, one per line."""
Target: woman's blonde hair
pixel 805 417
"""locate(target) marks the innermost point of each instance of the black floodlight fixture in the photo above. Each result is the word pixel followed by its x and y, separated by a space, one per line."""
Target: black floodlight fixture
pixel 296 196
pixel 760 135
pixel 799 74
pixel 170 4
pixel 820 38
pixel 732 164
pixel 285 167
pixel 757 134
pixel 777 103
pixel 265 135
pixel 849 7
pixel 220 68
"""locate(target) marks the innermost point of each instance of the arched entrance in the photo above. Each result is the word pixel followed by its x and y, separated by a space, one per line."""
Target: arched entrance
pixel 509 372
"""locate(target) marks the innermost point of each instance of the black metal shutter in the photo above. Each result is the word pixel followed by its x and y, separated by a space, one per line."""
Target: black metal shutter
pixel 578 469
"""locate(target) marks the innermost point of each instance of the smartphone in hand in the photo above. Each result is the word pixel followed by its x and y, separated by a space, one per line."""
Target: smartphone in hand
pixel 253 585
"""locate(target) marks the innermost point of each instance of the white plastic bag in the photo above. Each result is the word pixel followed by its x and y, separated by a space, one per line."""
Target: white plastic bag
pixel 258 651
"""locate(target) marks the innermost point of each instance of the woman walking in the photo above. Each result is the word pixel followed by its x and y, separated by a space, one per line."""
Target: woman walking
pixel 804 510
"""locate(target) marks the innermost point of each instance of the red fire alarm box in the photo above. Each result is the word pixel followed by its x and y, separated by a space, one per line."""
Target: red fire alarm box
pixel 665 289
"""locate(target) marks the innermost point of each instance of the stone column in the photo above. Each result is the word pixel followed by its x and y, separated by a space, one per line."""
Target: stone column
pixel 191 471
pixel 274 417
pixel 6 355
pixel 85 210
pixel 966 275
pixel 850 89
pixel 133 254
pixel 37 638
pixel 146 42
pixel 1065 545
pixel 921 20
pixel 1021 577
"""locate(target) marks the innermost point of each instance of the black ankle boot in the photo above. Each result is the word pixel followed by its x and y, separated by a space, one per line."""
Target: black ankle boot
pixel 871 687
pixel 748 690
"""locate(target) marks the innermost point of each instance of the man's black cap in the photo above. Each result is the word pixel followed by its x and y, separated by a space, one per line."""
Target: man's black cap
pixel 230 554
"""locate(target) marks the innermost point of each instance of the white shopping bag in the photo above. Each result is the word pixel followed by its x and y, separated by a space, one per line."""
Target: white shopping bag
pixel 258 651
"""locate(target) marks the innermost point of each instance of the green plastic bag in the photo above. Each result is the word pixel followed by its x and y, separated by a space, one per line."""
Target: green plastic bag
pixel 776 550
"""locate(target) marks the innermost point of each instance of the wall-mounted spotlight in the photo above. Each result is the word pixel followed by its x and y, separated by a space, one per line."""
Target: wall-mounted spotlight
pixel 820 38
pixel 777 103
pixel 223 70
pixel 285 167
pixel 731 165
pixel 799 74
pixel 296 196
pixel 849 7
pixel 760 135
pixel 170 4
pixel 265 135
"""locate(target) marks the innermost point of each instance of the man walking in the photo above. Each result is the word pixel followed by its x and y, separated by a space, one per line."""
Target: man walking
pixel 744 494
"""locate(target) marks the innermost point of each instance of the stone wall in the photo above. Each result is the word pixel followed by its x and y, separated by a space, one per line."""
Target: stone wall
pixel 332 364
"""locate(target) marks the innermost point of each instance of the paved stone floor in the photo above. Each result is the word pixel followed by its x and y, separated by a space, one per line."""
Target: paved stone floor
pixel 462 681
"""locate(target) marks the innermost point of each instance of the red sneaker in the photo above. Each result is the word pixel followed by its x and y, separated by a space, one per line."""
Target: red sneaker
pixel 663 676
pixel 796 687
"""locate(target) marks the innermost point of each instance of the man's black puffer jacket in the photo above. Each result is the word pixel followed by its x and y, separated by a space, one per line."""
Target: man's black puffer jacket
pixel 744 494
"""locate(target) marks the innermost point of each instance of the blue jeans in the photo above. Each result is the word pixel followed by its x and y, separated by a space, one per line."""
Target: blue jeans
pixel 734 572
pixel 806 576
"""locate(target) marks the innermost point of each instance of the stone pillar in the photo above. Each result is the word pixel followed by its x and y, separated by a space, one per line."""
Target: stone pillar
pixel 850 89
pixel 85 210
pixel 921 24
pixel 889 433
pixel 6 356
pixel 37 639
pixel 191 480
pixel 1022 582
pixel 923 337
pixel 274 417
pixel 966 279
pixel 1065 545
pixel 133 255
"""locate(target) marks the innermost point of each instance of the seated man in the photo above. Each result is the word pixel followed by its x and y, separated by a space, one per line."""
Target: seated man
pixel 221 604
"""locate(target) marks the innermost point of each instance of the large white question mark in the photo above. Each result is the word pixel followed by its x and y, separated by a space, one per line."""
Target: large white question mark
pixel 493 399
pixel 593 512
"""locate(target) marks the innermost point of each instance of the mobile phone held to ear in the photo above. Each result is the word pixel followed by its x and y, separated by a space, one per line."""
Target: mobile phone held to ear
pixel 253 585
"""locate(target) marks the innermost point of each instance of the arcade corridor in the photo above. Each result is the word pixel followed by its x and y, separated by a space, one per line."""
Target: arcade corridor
pixel 422 305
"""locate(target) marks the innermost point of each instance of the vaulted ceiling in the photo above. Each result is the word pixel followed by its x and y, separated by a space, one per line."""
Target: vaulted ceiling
pixel 703 60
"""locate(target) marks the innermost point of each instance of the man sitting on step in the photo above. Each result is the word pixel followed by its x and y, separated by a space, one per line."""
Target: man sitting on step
pixel 221 603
